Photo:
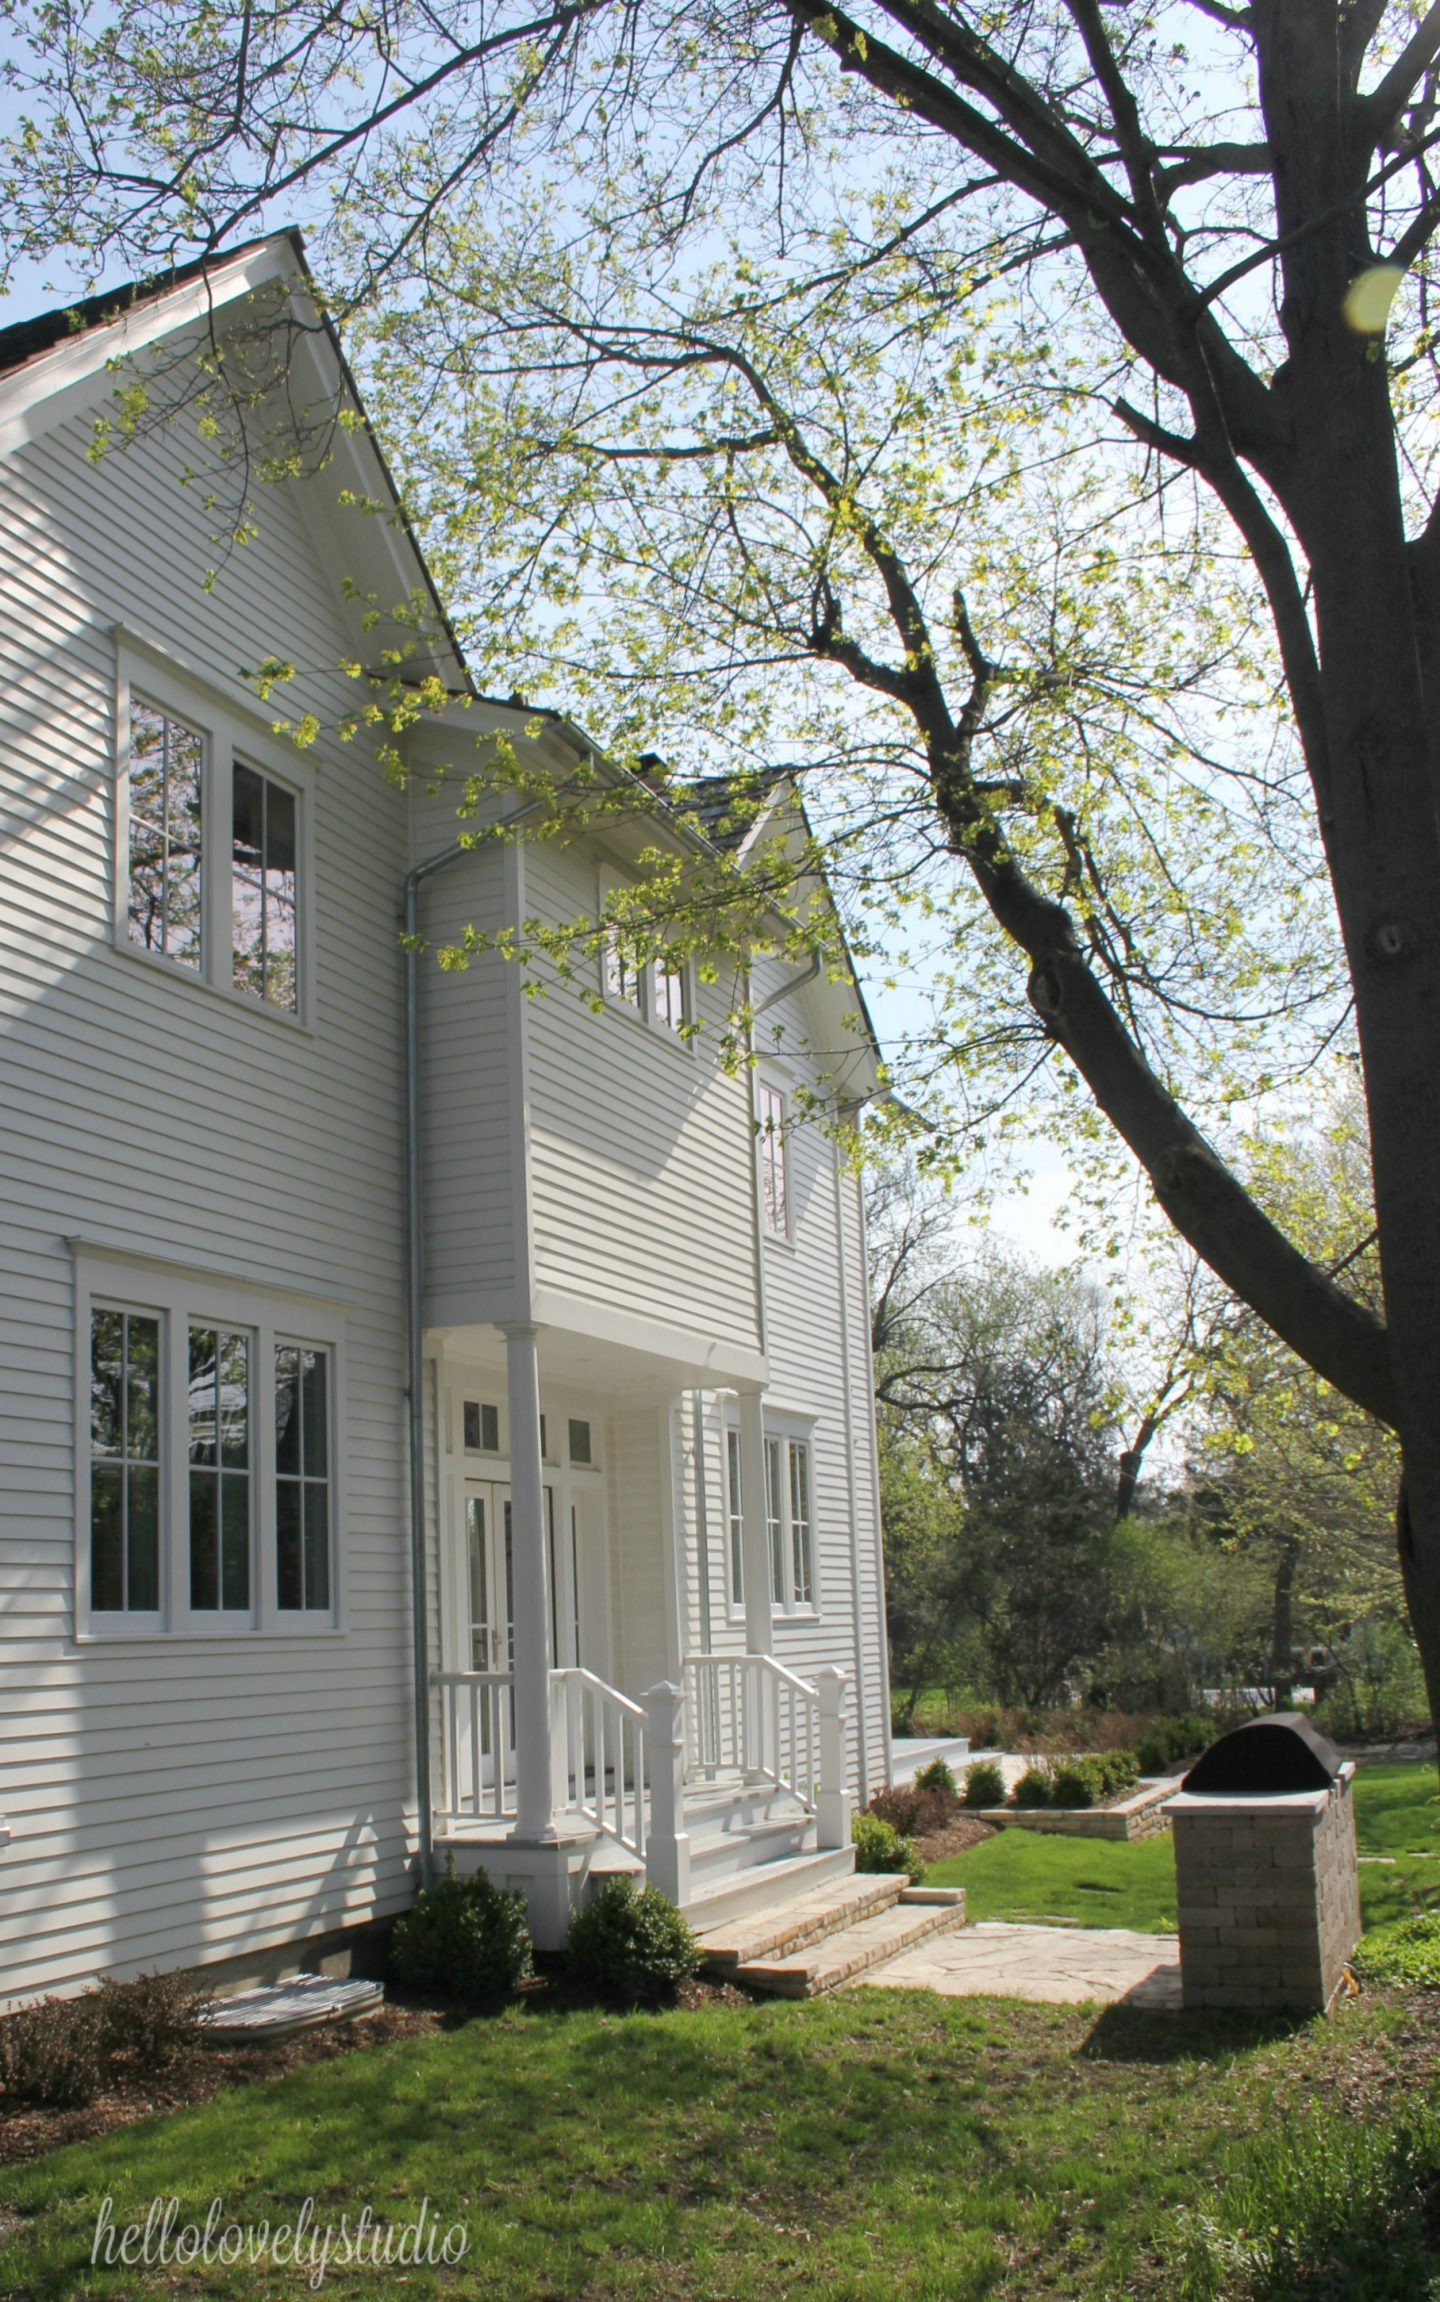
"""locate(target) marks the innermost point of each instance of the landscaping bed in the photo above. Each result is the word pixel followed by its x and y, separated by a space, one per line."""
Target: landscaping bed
pixel 1136 1814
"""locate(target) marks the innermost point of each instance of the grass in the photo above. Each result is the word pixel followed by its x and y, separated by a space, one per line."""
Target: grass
pixel 1023 1875
pixel 855 2148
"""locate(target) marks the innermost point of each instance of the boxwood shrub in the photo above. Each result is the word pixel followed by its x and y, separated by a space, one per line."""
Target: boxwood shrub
pixel 985 1783
pixel 464 1937
pixel 879 1846
pixel 1035 1787
pixel 633 1947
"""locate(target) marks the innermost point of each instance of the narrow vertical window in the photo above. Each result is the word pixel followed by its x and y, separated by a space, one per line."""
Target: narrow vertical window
pixel 167 768
pixel 774 1522
pixel 622 968
pixel 219 1403
pixel 302 1477
pixel 264 884
pixel 735 1514
pixel 580 1441
pixel 668 996
pixel 124 1463
pixel 802 1565
pixel 774 1182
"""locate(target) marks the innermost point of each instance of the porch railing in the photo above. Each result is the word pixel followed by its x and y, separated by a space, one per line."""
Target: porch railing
pixel 598 1742
pixel 477 1724
pixel 748 1715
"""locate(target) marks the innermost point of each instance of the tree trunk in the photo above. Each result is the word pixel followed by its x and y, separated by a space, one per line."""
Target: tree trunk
pixel 1282 1629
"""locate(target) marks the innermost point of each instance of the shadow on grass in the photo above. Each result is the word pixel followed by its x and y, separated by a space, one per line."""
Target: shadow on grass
pixel 1163 2036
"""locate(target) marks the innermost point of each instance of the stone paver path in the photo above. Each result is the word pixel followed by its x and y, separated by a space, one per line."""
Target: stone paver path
pixel 1062 1964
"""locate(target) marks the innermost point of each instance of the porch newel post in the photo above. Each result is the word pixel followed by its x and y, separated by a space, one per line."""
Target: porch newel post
pixel 833 1804
pixel 534 1796
pixel 667 1847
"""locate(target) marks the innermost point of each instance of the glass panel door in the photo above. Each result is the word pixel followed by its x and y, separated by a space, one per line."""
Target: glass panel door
pixel 490 1602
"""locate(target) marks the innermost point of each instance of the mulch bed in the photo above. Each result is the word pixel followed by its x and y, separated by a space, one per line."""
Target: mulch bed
pixel 964 1831
pixel 210 2070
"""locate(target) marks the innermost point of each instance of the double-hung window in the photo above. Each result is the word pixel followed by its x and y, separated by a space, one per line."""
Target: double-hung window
pixel 209 1490
pixel 789 1523
pixel 213 840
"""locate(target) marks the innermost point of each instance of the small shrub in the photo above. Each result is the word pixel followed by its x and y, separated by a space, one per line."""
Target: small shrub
pixel 1405 1953
pixel 985 1784
pixel 1169 1741
pixel 879 1846
pixel 51 2054
pixel 914 1813
pixel 1034 1788
pixel 146 2025
pixel 634 1947
pixel 935 1776
pixel 1074 1783
pixel 464 1937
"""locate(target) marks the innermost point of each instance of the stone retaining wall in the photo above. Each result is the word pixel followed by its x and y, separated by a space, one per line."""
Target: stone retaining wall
pixel 1141 1815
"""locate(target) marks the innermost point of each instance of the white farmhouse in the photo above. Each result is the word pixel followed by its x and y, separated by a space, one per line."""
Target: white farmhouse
pixel 344 1293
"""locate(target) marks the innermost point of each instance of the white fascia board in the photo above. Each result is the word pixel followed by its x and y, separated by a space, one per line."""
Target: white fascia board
pixel 45 391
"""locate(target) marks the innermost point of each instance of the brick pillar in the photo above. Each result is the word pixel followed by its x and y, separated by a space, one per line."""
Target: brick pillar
pixel 1269 1896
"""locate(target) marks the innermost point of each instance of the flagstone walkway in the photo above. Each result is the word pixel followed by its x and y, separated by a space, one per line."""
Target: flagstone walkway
pixel 1062 1964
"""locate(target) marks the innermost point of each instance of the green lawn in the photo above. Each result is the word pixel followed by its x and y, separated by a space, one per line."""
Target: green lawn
pixel 1021 1874
pixel 878 2144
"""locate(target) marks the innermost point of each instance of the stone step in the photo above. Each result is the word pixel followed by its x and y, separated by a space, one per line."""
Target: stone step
pixel 838 1958
pixel 765 1886
pixel 805 1918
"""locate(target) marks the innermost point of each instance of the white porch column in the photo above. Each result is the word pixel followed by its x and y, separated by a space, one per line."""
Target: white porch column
pixel 755 1526
pixel 534 1795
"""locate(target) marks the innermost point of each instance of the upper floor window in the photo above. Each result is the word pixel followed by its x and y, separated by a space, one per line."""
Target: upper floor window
pixel 774 1176
pixel 265 897
pixel 656 989
pixel 212 849
pixel 166 891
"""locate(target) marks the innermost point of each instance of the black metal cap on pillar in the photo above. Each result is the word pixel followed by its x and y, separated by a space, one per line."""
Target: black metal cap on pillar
pixel 1266 1758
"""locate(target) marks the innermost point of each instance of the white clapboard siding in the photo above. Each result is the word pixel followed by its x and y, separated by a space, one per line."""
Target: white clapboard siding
pixel 178 1800
pixel 639 1148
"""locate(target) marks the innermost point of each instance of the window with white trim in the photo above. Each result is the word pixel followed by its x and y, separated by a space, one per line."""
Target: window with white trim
pixel 735 1517
pixel 789 1521
pixel 212 845
pixel 774 1176
pixel 656 989
pixel 208 1492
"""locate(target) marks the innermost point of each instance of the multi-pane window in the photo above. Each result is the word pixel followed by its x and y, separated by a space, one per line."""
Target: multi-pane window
pixel 124 1462
pixel 624 974
pixel 482 1427
pixel 774 1523
pixel 220 1501
pixel 789 1521
pixel 264 886
pixel 735 1517
pixel 667 996
pixel 167 776
pixel 802 1567
pixel 302 1477
pixel 774 1182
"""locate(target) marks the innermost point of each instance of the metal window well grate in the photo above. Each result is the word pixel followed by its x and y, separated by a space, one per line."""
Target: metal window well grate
pixel 1269 1757
pixel 283 2009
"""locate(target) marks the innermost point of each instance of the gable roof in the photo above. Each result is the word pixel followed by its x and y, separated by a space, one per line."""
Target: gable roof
pixel 47 356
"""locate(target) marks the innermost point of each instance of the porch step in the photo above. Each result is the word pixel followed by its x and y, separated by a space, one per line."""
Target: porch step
pixel 837 1958
pixel 765 1886
pixel 748 1845
pixel 802 1919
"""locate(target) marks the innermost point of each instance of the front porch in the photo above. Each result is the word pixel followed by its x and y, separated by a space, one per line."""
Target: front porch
pixel 724 1790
